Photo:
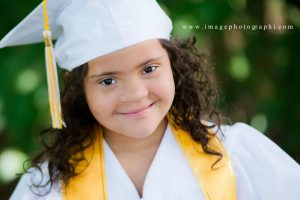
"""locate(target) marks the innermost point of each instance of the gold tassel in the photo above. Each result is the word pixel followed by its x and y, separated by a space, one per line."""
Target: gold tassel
pixel 52 79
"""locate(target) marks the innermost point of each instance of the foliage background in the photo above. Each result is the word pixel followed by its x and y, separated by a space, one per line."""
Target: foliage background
pixel 258 73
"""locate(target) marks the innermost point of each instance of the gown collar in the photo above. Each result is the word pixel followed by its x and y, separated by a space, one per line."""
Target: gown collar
pixel 163 179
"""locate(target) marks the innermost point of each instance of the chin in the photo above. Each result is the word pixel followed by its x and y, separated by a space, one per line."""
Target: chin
pixel 141 132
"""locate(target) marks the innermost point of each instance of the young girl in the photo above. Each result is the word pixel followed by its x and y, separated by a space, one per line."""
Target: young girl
pixel 138 114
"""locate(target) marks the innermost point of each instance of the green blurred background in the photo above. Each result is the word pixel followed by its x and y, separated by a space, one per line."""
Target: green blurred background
pixel 258 73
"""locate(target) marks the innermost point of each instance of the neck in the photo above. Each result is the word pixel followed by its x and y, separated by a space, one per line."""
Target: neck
pixel 120 143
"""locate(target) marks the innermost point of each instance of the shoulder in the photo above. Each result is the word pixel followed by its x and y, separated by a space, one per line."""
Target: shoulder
pixel 237 133
pixel 263 170
pixel 26 190
pixel 232 134
pixel 240 137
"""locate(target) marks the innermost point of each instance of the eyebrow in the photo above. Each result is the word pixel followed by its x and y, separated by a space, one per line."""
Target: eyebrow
pixel 110 73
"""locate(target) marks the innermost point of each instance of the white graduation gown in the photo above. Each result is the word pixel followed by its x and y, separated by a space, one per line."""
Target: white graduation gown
pixel 263 171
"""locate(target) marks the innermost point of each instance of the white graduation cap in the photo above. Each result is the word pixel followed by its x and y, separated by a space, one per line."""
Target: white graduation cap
pixel 84 30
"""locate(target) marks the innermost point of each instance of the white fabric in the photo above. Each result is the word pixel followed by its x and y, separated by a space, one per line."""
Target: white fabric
pixel 262 169
pixel 91 28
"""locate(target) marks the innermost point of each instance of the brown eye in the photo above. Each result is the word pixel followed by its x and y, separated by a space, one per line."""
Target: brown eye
pixel 149 69
pixel 108 82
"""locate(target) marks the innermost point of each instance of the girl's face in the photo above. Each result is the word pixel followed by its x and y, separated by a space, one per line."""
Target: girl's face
pixel 130 91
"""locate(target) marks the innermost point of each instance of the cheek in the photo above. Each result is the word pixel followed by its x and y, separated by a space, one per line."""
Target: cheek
pixel 170 88
pixel 100 105
pixel 165 87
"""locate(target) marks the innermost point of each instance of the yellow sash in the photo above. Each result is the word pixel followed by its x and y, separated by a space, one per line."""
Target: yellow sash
pixel 217 183
pixel 90 184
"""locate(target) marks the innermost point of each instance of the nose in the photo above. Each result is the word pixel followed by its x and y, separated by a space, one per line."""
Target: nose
pixel 134 90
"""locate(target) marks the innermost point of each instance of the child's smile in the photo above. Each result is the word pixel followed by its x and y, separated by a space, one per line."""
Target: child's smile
pixel 138 112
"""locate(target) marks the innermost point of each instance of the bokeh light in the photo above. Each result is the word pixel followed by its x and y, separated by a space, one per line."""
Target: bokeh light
pixel 11 163
pixel 239 67
pixel 260 122
pixel 27 81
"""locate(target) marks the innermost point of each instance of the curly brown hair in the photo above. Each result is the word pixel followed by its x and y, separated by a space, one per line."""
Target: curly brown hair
pixel 196 98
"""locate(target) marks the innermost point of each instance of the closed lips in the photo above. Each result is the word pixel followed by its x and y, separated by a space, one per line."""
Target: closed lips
pixel 138 110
